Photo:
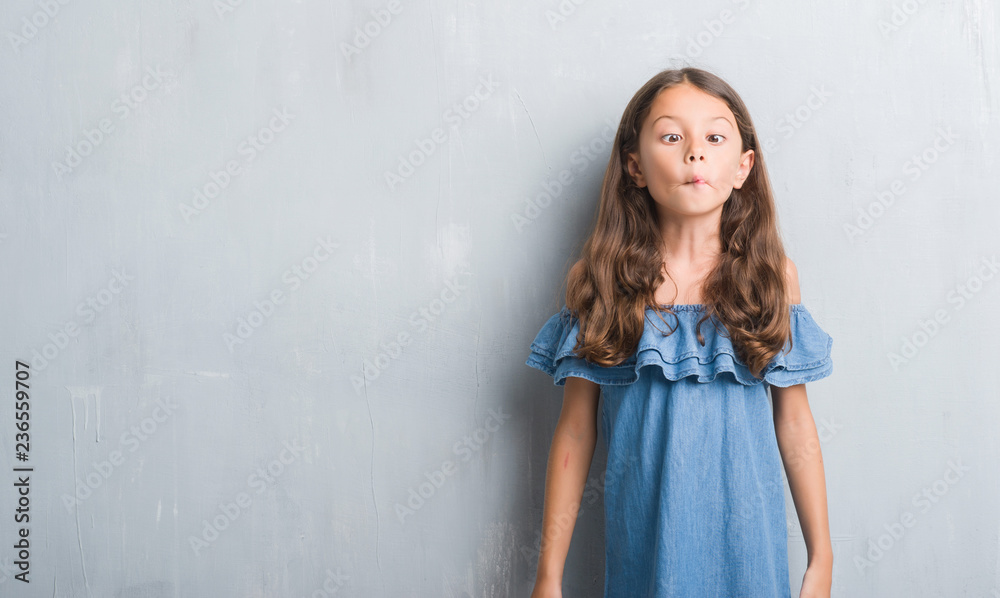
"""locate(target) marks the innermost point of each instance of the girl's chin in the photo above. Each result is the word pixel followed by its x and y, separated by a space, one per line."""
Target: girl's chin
pixel 687 207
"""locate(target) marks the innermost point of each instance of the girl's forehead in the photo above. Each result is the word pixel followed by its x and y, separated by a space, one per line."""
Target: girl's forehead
pixel 687 103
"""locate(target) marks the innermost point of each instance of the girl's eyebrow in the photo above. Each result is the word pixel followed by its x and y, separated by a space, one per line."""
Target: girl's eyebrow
pixel 707 119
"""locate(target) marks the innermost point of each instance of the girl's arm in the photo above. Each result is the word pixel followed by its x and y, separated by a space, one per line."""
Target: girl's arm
pixel 570 456
pixel 799 446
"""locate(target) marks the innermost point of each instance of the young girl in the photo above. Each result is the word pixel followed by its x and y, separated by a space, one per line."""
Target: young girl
pixel 682 312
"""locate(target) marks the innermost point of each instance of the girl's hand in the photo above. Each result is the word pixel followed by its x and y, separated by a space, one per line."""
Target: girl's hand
pixel 551 588
pixel 816 582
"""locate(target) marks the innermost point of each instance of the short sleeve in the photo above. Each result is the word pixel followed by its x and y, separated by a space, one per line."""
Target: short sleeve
pixel 552 352
pixel 808 358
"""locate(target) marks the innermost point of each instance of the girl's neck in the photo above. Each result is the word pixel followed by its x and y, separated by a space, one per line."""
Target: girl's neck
pixel 690 248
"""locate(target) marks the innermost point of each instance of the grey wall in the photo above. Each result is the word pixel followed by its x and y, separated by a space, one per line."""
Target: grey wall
pixel 216 220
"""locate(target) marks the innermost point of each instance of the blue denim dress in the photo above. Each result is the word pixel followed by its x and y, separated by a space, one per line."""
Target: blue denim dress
pixel 694 496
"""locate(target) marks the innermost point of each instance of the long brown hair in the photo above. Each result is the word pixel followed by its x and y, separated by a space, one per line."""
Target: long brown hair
pixel 621 263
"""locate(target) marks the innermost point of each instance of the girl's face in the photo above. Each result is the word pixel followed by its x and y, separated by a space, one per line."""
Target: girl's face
pixel 689 152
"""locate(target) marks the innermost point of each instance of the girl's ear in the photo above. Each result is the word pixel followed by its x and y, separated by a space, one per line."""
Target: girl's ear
pixel 634 171
pixel 746 164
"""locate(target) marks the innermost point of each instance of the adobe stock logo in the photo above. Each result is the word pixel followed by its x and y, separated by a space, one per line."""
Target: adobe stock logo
pixel 251 147
pixel 924 500
pixel 33 25
pixel 931 326
pixel 421 320
pixel 294 277
pixel 126 104
pixel 915 167
pixel 132 439
pixel 466 447
pixel 88 309
pixel 792 121
pixel 554 187
pixel 901 14
pixel 366 34
pixel 455 116
pixel 260 480
pixel 713 30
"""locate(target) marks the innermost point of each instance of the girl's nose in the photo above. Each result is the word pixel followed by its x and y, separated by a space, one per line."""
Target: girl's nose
pixel 696 155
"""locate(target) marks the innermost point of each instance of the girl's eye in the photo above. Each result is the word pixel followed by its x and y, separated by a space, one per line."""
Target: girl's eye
pixel 668 135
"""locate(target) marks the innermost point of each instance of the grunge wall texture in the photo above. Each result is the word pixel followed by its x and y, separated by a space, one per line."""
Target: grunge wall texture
pixel 274 268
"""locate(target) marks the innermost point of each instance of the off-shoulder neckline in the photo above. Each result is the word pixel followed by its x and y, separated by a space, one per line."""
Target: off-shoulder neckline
pixel 701 306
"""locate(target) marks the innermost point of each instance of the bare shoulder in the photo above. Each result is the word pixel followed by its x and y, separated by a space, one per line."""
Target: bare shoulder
pixel 792 281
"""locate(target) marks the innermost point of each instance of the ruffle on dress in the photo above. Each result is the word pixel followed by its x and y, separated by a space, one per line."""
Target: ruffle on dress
pixel 679 354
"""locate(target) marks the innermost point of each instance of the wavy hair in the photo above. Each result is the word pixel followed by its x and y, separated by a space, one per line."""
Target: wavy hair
pixel 621 263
